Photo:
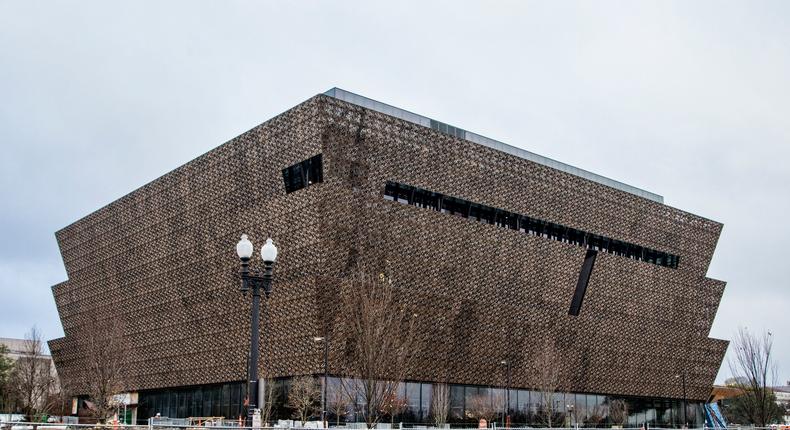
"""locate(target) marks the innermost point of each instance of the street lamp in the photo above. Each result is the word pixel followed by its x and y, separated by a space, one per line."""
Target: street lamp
pixel 506 415
pixel 325 341
pixel 255 281
pixel 683 376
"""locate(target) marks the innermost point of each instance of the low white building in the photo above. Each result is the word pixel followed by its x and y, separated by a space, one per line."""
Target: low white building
pixel 24 348
pixel 783 398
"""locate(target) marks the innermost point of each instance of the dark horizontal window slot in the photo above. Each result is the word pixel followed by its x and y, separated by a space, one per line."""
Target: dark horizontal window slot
pixel 581 284
pixel 303 174
pixel 406 194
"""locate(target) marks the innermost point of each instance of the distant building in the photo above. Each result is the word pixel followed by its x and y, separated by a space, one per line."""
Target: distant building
pixel 17 347
pixel 735 380
pixel 782 393
pixel 21 348
pixel 723 394
pixel 505 252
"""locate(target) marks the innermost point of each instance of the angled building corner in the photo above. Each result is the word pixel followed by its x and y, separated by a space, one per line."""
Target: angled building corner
pixel 505 252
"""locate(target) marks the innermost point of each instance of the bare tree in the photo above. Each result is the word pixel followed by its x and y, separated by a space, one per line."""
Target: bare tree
pixel 618 412
pixel 338 402
pixel 379 326
pixel 576 414
pixel 548 376
pixel 33 377
pixel 59 399
pixel 440 404
pixel 105 350
pixel 393 406
pixel 269 400
pixel 303 398
pixel 485 407
pixel 595 416
pixel 754 371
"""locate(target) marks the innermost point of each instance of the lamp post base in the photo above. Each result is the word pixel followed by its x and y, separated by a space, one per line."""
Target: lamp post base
pixel 256 419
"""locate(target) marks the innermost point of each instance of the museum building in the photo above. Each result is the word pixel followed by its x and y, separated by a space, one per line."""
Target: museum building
pixel 504 252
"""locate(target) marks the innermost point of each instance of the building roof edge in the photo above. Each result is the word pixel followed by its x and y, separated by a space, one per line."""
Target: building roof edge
pixel 424 121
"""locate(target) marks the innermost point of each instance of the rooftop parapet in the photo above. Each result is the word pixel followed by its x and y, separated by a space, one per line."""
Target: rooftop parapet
pixel 424 121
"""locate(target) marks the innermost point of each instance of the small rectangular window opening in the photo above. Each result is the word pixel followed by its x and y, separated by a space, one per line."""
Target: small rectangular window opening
pixel 303 174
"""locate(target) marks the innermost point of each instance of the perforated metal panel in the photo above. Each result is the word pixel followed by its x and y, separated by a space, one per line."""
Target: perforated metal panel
pixel 162 259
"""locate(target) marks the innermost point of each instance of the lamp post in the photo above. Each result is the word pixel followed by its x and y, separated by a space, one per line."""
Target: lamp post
pixel 683 376
pixel 506 414
pixel 255 281
pixel 325 341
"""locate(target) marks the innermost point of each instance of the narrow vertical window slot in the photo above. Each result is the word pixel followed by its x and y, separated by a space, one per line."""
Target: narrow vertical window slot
pixel 581 284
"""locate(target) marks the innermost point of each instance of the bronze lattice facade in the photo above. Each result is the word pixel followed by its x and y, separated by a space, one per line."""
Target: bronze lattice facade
pixel 161 259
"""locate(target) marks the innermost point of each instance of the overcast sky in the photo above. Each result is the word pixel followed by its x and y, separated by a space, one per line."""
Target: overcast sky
pixel 689 100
